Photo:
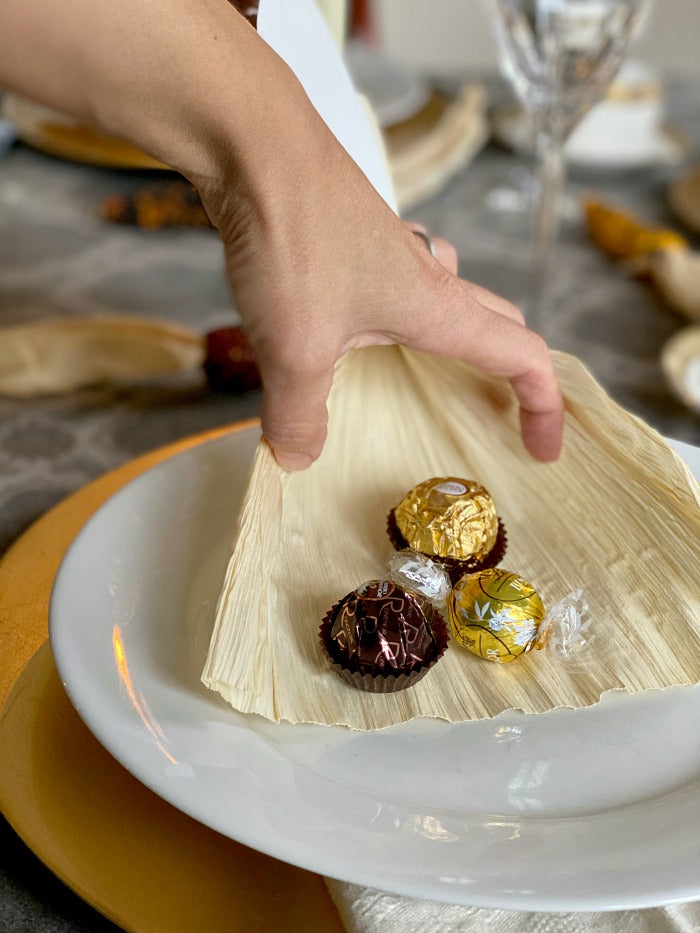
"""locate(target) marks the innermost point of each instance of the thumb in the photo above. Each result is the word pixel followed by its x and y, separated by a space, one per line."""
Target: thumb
pixel 294 415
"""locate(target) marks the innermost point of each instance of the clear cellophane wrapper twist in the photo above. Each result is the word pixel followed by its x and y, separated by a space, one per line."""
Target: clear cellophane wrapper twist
pixel 396 418
pixel 422 575
pixel 566 629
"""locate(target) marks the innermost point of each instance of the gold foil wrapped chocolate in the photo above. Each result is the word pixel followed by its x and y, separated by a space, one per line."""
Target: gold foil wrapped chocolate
pixel 495 614
pixel 448 517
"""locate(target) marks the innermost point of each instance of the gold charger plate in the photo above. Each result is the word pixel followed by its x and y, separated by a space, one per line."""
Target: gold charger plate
pixel 127 852
pixel 58 135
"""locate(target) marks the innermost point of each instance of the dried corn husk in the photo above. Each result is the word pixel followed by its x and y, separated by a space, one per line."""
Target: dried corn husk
pixel 426 151
pixel 56 355
pixel 619 514
pixel 658 253
pixel 676 276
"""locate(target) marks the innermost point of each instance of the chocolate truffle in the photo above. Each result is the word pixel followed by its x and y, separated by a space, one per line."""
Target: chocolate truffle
pixel 451 520
pixel 495 614
pixel 382 637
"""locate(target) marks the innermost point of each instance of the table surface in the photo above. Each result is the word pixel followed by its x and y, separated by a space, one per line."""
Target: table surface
pixel 57 257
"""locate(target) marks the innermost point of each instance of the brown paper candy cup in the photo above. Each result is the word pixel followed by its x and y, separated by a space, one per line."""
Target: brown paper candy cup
pixel 380 683
pixel 455 568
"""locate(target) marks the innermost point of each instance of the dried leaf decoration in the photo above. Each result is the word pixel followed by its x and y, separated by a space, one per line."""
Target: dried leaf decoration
pixel 427 150
pixel 619 513
pixel 56 355
pixel 676 275
pixel 657 253
pixel 621 236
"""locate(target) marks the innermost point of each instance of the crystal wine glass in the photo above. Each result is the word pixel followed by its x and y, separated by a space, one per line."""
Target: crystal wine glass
pixel 560 56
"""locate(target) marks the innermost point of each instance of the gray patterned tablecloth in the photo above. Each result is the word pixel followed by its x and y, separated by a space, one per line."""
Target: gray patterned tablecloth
pixel 58 257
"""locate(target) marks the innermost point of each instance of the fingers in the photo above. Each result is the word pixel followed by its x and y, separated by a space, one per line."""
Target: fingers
pixel 443 250
pixel 466 321
pixel 496 303
pixel 446 255
pixel 294 413
pixel 466 329
pixel 524 359
pixel 489 332
pixel 541 411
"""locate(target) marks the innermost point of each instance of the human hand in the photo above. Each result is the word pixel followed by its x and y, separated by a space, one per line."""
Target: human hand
pixel 320 265
pixel 317 261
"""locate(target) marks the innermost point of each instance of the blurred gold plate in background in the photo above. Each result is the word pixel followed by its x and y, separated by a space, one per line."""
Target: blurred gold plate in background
pixel 137 859
pixel 58 135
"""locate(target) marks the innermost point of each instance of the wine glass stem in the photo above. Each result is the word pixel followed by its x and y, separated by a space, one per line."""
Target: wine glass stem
pixel 550 157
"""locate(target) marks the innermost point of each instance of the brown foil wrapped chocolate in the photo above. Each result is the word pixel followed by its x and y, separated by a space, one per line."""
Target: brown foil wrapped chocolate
pixel 383 638
pixel 451 520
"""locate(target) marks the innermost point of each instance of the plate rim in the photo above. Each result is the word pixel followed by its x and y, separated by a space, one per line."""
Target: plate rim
pixel 671 146
pixel 394 882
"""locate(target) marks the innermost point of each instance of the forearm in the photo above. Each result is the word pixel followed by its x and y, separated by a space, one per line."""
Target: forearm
pixel 317 261
pixel 187 80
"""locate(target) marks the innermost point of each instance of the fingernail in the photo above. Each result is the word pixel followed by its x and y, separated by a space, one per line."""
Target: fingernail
pixel 291 460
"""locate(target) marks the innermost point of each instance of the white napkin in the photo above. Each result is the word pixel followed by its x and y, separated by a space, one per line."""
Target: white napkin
pixel 300 36
pixel 366 910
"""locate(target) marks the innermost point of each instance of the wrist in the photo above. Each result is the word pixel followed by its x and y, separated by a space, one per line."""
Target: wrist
pixel 186 94
pixel 226 112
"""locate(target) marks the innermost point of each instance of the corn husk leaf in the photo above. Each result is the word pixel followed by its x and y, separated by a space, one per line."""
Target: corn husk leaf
pixel 619 513
pixel 676 276
pixel 53 356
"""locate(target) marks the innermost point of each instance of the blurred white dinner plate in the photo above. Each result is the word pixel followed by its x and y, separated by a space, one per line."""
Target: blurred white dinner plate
pixel 680 364
pixel 394 92
pixel 665 146
pixel 588 809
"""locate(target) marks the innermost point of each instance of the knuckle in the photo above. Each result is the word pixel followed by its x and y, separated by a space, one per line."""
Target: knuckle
pixel 298 355
pixel 301 432
pixel 539 351
pixel 292 413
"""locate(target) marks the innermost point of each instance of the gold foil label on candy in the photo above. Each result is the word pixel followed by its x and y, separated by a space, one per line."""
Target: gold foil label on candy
pixel 437 519
pixel 495 614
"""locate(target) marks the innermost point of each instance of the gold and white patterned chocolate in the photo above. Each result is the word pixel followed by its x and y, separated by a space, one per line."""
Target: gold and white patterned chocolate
pixel 495 614
pixel 448 517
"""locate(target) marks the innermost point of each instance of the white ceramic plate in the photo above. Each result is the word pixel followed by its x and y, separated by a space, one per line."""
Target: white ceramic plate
pixel 680 364
pixel 395 93
pixel 587 809
pixel 513 129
